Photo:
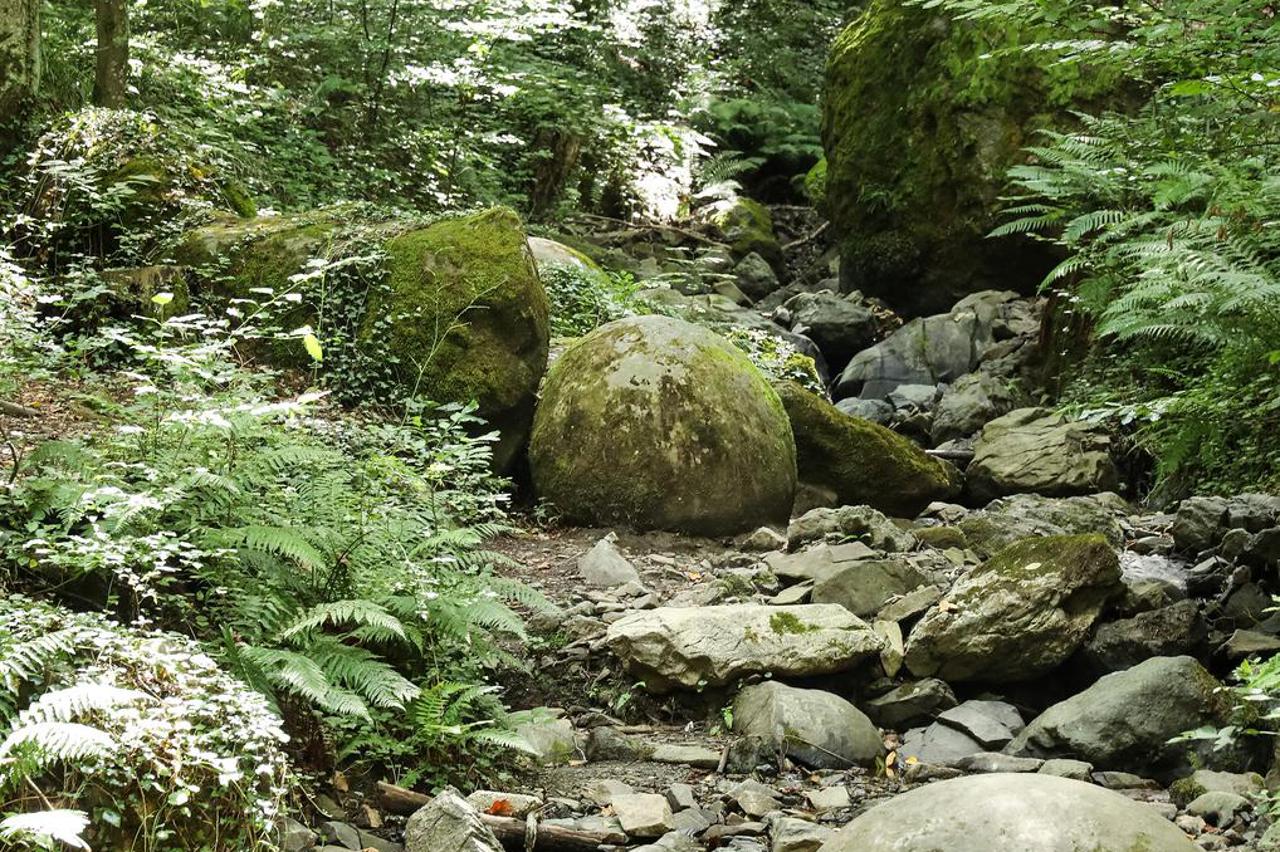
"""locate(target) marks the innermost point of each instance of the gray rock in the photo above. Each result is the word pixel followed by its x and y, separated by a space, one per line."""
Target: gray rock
pixel 875 410
pixel 1115 780
pixel 969 403
pixel 448 824
pixel 763 539
pixel 755 277
pixel 671 842
pixel 927 350
pixel 816 728
pixel 938 744
pixel 602 790
pixel 915 397
pixel 1010 519
pixel 1018 616
pixel 1199 523
pixel 849 522
pixel 552 739
pixel 994 761
pixel 842 326
pixel 377 844
pixel 864 587
pixel 680 797
pixel 1036 812
pixel 1126 719
pixel 514 804
pixel 911 704
pixel 1035 450
pixel 1165 632
pixel 603 565
pixel 798 835
pixel 693 821
pixel 1253 512
pixel 1240 783
pixel 1264 548
pixel 689 647
pixel 1063 767
pixel 1218 807
pixel 696 756
pixel 994 724
pixel 808 564
pixel 296 837
pixel 910 605
pixel 829 798
pixel 340 834
pixel 643 814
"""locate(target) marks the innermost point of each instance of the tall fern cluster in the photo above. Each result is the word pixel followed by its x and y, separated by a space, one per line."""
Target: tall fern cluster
pixel 1169 218
pixel 335 564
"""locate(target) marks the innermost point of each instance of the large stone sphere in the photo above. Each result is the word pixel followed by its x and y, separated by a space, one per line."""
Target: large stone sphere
pixel 1010 812
pixel 656 423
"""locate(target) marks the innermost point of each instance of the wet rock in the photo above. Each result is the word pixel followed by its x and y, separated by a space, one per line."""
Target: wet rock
pixel 643 814
pixel 1127 719
pixel 1252 512
pixel 1037 451
pixel 1018 616
pixel 604 565
pixel 689 647
pixel 816 728
pixel 448 824
pixel 1025 811
pixel 911 704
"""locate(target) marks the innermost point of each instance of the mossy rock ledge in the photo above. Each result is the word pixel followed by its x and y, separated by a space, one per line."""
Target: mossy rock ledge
pixel 655 423
pixel 863 462
pixel 464 313
pixel 918 150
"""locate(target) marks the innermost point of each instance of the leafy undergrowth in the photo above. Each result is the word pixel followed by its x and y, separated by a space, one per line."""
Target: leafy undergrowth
pixel 226 578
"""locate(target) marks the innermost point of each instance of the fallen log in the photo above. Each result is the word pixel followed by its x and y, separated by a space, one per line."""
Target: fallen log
pixel 512 832
pixel 13 409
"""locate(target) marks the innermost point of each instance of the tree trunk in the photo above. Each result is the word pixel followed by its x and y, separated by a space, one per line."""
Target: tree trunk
pixel 111 75
pixel 19 55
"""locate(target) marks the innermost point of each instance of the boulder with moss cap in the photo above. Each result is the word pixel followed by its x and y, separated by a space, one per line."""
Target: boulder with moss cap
pixel 1019 615
pixel 862 462
pixel 462 316
pixel 656 423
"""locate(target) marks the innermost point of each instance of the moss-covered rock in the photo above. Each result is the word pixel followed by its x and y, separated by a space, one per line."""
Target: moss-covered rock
pixel 469 318
pixel 463 314
pixel 748 227
pixel 863 462
pixel 660 424
pixel 919 132
pixel 815 184
pixel 1019 615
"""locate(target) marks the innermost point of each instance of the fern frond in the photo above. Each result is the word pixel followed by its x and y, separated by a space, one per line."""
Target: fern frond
pixel 370 617
pixel 64 705
pixel 49 827
pixel 60 741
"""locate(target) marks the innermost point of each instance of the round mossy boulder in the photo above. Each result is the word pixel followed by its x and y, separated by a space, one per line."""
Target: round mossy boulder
pixel 862 462
pixel 461 314
pixel 656 423
pixel 747 225
pixel 922 117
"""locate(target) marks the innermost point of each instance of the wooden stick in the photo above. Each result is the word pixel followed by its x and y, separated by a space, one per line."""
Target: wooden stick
pixel 14 410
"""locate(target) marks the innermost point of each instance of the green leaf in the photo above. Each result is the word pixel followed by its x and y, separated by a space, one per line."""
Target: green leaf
pixel 1190 88
pixel 162 299
pixel 313 347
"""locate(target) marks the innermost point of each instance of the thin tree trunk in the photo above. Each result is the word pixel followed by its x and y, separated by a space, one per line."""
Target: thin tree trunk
pixel 376 104
pixel 111 75
pixel 19 55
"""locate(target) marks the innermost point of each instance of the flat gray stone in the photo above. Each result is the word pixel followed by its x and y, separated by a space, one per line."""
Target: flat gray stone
pixel 1022 812
pixel 937 744
pixel 994 761
pixel 816 728
pixel 984 721
pixel 643 814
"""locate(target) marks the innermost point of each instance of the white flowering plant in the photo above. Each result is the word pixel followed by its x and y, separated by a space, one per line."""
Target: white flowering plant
pixel 138 731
